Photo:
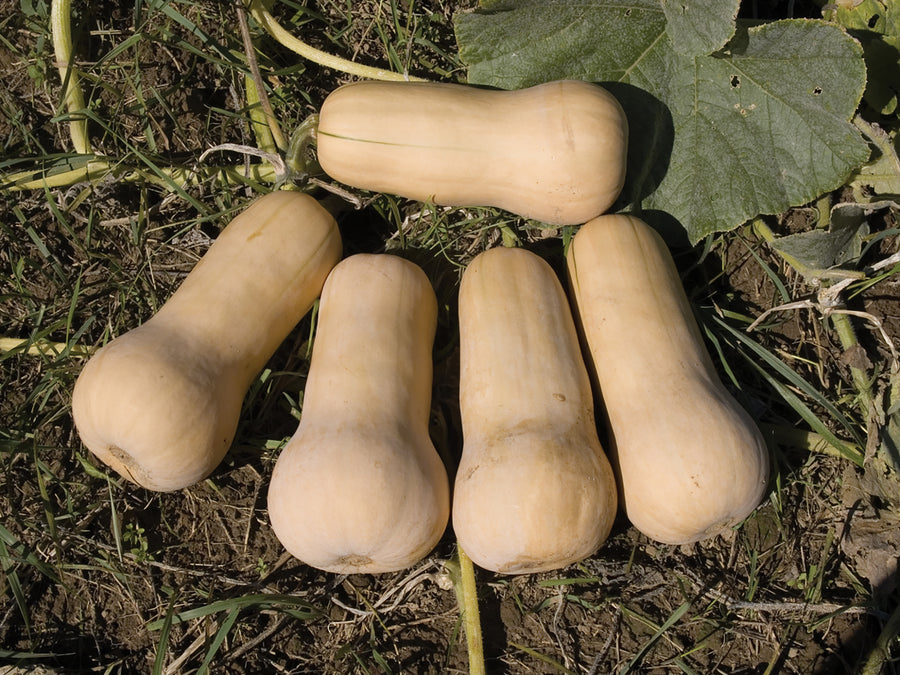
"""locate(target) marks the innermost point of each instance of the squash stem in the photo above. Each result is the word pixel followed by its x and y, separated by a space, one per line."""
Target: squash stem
pixel 73 97
pixel 509 238
pixel 467 597
pixel 262 16
pixel 297 157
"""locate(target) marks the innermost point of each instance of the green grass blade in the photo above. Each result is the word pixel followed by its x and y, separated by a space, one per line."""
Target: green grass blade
pixel 851 453
pixel 789 376
pixel 7 564
pixel 558 667
pixel 9 540
pixel 773 277
pixel 674 618
pixel 219 638
pixel 159 662
pixel 297 607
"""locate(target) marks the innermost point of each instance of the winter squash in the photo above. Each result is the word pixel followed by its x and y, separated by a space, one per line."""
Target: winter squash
pixel 554 152
pixel 690 461
pixel 360 488
pixel 160 404
pixel 534 490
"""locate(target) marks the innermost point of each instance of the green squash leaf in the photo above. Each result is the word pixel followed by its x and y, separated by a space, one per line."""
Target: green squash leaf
pixel 882 173
pixel 876 24
pixel 517 43
pixel 699 26
pixel 823 249
pixel 715 138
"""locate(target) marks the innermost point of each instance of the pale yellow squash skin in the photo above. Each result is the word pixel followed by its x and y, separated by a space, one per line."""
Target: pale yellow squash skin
pixel 554 152
pixel 690 462
pixel 360 488
pixel 160 403
pixel 534 490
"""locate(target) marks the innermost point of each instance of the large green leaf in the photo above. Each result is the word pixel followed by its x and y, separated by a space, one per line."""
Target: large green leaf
pixel 700 26
pixel 876 24
pixel 516 44
pixel 716 138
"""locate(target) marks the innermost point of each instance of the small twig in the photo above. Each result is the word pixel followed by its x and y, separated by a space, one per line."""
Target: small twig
pixel 798 608
pixel 250 645
pixel 346 195
pixel 175 667
pixel 617 620
pixel 277 162
pixel 261 15
pixel 401 588
pixel 253 64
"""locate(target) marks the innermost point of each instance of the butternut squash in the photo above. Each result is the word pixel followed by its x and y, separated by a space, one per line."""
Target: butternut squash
pixel 689 460
pixel 554 152
pixel 160 404
pixel 360 488
pixel 534 490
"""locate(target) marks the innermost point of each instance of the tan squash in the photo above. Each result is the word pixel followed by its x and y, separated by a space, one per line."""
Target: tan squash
pixel 534 490
pixel 360 488
pixel 554 152
pixel 160 403
pixel 690 461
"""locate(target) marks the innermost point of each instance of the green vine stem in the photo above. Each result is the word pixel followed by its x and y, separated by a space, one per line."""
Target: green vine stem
pixel 471 616
pixel 260 122
pixel 262 16
pixel 881 652
pixel 43 347
pixel 162 176
pixel 73 97
pixel 847 336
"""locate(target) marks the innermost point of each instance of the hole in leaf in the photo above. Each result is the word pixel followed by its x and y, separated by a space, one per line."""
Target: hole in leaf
pixel 873 21
pixel 735 82
pixel 817 91
pixel 628 12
